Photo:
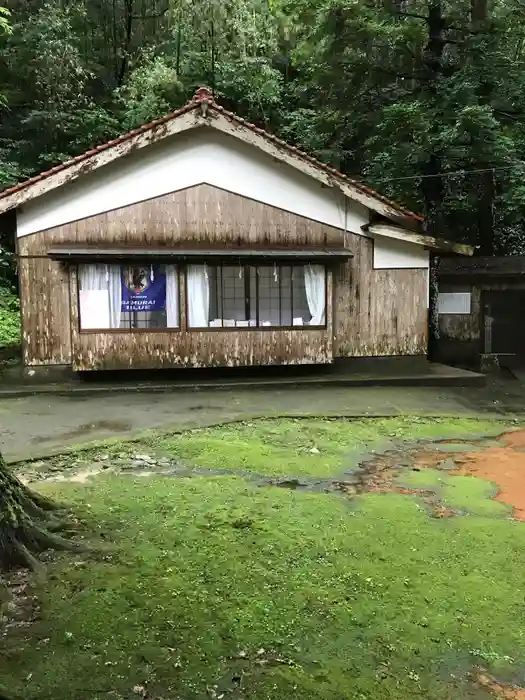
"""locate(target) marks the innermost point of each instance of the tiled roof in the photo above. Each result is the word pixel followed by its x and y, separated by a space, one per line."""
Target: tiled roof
pixel 204 96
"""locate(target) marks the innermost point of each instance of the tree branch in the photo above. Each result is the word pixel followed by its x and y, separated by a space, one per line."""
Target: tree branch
pixel 508 115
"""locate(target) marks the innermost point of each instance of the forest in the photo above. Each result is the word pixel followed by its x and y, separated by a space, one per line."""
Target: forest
pixel 422 99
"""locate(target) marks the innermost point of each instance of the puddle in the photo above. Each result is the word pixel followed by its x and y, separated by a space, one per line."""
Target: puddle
pixel 77 477
pixel 500 461
pixel 497 460
pixel 82 476
pixel 458 447
pixel 109 425
pixel 303 483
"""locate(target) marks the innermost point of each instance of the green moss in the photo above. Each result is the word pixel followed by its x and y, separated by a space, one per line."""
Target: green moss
pixel 364 599
pixel 463 493
pixel 9 319
pixel 375 602
pixel 284 447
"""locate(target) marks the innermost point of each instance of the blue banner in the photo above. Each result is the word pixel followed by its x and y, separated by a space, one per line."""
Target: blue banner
pixel 143 288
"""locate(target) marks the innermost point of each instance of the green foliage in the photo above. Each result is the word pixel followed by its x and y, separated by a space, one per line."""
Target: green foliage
pixel 5 25
pixel 53 111
pixel 152 89
pixel 424 101
pixel 9 318
pixel 401 96
pixel 300 595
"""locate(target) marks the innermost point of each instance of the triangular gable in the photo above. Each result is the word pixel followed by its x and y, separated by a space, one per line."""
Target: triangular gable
pixel 204 111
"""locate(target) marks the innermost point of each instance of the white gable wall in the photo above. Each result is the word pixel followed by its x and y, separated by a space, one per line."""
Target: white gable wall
pixel 201 156
pixel 390 253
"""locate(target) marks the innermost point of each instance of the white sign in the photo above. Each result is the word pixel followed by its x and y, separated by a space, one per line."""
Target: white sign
pixel 94 309
pixel 454 303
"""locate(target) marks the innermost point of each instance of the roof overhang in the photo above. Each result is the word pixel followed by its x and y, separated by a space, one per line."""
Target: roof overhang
pixel 229 255
pixel 483 266
pixel 429 242
pixel 203 111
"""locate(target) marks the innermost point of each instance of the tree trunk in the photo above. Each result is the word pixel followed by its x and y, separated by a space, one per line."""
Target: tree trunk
pixel 432 187
pixel 26 521
pixel 480 28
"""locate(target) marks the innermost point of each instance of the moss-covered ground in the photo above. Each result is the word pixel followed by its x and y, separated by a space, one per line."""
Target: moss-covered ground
pixel 213 586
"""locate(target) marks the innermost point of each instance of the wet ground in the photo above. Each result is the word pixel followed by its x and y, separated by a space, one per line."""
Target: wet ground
pixel 39 425
pixel 499 460
pixel 499 690
pixel 419 469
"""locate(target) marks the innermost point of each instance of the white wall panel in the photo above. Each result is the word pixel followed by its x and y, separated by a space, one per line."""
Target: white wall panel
pixel 202 156
pixel 391 254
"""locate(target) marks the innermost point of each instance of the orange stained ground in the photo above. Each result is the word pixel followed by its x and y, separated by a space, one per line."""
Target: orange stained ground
pixel 499 690
pixel 504 465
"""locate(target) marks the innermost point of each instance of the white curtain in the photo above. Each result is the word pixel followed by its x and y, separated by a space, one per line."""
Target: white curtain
pixel 172 296
pixel 93 297
pixel 314 279
pixel 115 295
pixel 198 296
pixel 93 277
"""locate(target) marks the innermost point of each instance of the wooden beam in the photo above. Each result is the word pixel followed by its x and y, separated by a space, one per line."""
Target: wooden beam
pixel 384 230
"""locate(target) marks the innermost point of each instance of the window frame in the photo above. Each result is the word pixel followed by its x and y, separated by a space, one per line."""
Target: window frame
pixel 130 331
pixel 256 328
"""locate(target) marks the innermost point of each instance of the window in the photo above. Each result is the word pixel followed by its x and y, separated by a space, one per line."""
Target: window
pixel 128 297
pixel 454 303
pixel 247 296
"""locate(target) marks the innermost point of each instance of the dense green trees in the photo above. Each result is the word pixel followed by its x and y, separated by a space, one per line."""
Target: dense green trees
pixel 424 99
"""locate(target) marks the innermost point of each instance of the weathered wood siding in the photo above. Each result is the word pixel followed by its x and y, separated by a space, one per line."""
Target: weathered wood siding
pixel 378 312
pixel 46 319
pixel 198 215
pixel 142 350
pixel 200 349
pixel 460 335
pixel 375 312
pixel 462 327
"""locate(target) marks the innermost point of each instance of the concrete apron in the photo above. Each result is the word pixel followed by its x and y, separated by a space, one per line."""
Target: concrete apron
pixel 388 371
pixel 36 426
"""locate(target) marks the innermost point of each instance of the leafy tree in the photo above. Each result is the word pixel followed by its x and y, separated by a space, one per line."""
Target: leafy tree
pixel 5 25
pixel 228 45
pixel 51 111
pixel 406 93
pixel 422 98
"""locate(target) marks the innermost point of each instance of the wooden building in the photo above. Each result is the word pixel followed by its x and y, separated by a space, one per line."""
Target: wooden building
pixel 481 308
pixel 200 240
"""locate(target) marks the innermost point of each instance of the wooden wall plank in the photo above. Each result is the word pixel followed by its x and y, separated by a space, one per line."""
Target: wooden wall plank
pixel 376 312
pixel 46 324
pixel 199 215
pixel 201 349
